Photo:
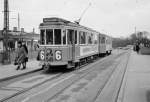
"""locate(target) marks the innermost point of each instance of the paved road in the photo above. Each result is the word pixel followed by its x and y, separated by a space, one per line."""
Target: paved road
pixel 69 87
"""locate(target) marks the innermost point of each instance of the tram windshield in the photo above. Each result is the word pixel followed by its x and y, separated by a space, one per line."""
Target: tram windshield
pixel 42 37
pixel 51 37
pixel 57 36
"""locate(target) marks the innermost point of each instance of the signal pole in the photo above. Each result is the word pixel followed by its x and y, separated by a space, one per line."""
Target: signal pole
pixel 6 54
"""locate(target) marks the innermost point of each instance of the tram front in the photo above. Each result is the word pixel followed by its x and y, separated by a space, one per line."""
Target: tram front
pixel 53 44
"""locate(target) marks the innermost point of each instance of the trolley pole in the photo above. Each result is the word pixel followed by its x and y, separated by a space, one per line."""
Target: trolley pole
pixel 6 53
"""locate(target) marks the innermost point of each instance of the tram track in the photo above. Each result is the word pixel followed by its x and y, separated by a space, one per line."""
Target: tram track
pixel 74 78
pixel 82 69
pixel 114 77
pixel 82 76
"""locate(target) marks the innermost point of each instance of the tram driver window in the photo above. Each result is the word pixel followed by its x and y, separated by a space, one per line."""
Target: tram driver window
pixel 57 36
pixel 49 36
pixel 42 37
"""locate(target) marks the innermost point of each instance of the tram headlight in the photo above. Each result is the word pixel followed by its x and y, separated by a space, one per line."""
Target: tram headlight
pixel 42 57
pixel 49 51
pixel 58 55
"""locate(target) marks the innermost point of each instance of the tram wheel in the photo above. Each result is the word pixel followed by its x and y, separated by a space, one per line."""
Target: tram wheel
pixel 77 65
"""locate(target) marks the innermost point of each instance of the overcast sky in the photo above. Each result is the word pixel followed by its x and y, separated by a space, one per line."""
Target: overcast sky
pixel 114 17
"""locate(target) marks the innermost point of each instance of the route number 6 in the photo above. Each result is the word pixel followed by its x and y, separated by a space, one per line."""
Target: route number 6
pixel 42 55
pixel 58 55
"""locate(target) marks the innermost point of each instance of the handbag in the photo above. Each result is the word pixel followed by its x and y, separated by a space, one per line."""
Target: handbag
pixel 26 59
pixel 15 62
pixel 38 57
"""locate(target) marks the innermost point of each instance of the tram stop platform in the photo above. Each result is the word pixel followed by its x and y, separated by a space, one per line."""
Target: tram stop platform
pixel 9 71
pixel 136 83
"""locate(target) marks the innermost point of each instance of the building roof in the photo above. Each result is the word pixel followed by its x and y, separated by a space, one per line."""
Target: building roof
pixel 23 35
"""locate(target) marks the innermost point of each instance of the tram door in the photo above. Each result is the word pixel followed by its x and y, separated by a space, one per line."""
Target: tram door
pixel 71 44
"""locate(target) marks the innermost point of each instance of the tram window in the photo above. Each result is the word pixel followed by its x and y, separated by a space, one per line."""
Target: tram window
pixel 108 41
pixel 89 38
pixel 57 36
pixel 82 37
pixel 95 38
pixel 42 37
pixel 49 36
pixel 103 40
pixel 64 37
pixel 70 37
pixel 76 39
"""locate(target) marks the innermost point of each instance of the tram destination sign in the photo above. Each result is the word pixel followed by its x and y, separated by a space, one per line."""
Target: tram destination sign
pixel 49 20
pixel 54 19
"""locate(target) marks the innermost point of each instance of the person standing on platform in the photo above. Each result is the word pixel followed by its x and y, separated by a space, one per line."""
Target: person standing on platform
pixel 20 57
pixel 137 48
pixel 26 58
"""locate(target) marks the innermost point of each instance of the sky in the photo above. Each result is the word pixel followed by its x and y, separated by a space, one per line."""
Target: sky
pixel 117 18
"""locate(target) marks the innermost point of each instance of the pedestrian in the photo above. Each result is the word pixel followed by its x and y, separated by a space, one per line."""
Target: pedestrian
pixel 137 48
pixel 20 56
pixel 26 58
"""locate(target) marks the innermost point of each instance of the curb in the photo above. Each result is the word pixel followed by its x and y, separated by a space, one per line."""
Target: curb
pixel 14 76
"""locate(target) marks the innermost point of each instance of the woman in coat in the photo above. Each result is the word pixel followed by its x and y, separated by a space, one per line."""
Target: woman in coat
pixel 21 55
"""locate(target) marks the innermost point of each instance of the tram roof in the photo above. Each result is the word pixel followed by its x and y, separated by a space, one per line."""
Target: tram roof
pixel 60 21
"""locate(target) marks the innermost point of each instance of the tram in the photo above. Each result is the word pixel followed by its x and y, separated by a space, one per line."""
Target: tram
pixel 65 43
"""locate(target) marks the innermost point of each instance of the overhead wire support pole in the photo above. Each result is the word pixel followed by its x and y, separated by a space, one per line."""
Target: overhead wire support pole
pixel 6 53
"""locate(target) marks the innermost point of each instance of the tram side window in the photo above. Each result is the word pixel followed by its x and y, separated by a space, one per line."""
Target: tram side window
pixel 108 41
pixel 76 39
pixel 82 39
pixel 70 36
pixel 42 37
pixel 49 36
pixel 95 38
pixel 103 40
pixel 64 37
pixel 90 38
pixel 57 36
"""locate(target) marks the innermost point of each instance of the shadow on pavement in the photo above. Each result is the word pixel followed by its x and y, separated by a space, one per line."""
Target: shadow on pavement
pixel 57 69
